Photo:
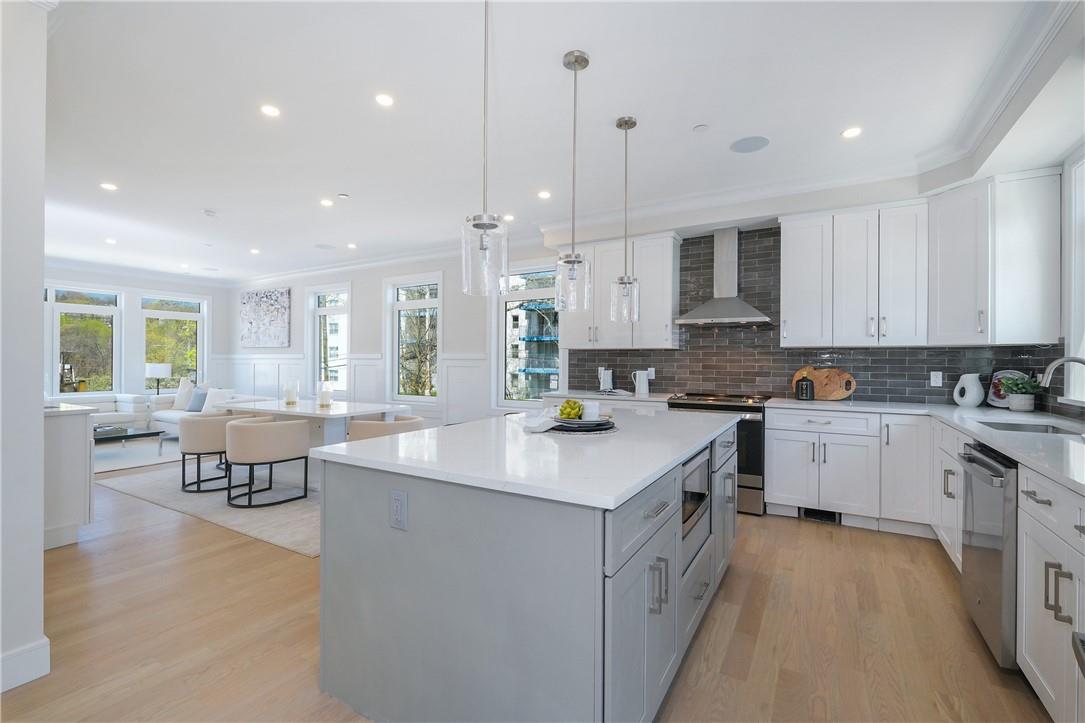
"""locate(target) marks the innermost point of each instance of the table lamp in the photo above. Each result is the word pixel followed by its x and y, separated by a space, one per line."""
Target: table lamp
pixel 158 372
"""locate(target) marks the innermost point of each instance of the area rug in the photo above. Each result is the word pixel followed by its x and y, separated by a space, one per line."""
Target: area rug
pixel 294 525
pixel 109 456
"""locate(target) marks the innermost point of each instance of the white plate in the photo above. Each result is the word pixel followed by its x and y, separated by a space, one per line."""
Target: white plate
pixel 580 422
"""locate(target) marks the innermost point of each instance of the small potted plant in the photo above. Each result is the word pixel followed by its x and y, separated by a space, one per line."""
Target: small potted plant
pixel 1021 393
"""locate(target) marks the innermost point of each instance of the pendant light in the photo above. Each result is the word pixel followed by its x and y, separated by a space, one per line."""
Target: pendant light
pixel 625 290
pixel 573 270
pixel 485 251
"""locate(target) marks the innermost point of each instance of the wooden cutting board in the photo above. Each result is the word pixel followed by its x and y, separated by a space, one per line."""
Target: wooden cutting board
pixel 830 383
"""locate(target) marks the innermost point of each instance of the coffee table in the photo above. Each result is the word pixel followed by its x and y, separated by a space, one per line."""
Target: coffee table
pixel 123 434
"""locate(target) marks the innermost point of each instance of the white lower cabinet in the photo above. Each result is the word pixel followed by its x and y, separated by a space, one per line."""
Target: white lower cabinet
pixel 641 635
pixel 724 514
pixel 905 468
pixel 835 472
pixel 947 504
pixel 698 585
pixel 1050 606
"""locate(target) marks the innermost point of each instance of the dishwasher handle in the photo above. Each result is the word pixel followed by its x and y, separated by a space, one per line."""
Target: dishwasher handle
pixel 982 468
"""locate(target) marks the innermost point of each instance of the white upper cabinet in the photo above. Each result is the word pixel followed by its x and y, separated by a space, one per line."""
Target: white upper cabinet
pixel 959 266
pixel 806 281
pixel 902 275
pixel 855 278
pixel 995 274
pixel 653 260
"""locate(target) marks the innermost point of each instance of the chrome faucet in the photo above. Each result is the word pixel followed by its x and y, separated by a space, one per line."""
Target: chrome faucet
pixel 1045 380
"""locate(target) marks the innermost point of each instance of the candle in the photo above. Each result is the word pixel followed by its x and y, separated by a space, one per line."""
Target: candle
pixel 290 392
pixel 326 394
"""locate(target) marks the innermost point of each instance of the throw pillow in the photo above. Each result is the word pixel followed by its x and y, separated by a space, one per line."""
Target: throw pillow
pixel 184 394
pixel 216 396
pixel 198 399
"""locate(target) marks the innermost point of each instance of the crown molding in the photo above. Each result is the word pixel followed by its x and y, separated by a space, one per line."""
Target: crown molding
pixel 46 5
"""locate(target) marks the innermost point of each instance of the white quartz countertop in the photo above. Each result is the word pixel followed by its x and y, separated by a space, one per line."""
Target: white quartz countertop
pixel 596 394
pixel 595 470
pixel 1058 456
pixel 65 408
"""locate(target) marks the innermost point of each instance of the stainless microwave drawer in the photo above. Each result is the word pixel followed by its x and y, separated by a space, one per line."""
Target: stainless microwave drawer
pixel 631 525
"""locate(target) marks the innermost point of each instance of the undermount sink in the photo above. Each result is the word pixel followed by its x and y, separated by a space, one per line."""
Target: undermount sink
pixel 1026 427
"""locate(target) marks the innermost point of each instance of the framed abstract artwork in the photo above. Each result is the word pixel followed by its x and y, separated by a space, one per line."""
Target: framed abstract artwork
pixel 265 318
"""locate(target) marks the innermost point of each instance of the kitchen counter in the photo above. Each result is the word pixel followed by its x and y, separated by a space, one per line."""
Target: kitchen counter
pixel 64 409
pixel 585 394
pixel 1058 456
pixel 497 453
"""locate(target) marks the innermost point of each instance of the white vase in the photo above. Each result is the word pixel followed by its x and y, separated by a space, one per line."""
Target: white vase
pixel 1022 402
pixel 969 391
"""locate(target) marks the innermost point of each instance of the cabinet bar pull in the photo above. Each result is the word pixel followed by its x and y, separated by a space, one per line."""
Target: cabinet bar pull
pixel 1031 494
pixel 871 327
pixel 653 513
pixel 1080 528
pixel 704 590
pixel 979 321
pixel 824 453
pixel 589 332
pixel 1060 573
pixel 730 497
pixel 813 451
pixel 887 435
pixel 783 328
pixel 666 579
pixel 1048 567
pixel 946 474
pixel 655 604
pixel 819 421
pixel 885 327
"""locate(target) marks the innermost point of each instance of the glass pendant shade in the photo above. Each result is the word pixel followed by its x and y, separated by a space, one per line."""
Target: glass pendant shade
pixel 485 255
pixel 625 299
pixel 573 283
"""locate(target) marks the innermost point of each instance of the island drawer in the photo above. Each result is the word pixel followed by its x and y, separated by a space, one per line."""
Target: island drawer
pixel 861 423
pixel 1054 506
pixel 627 528
pixel 696 592
pixel 723 447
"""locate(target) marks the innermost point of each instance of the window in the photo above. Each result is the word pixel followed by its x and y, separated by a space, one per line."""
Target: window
pixel 171 335
pixel 85 324
pixel 416 310
pixel 1074 388
pixel 332 332
pixel 529 333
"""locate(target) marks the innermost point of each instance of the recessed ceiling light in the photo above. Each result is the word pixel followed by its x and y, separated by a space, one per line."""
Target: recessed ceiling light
pixel 270 111
pixel 327 202
pixel 749 144
pixel 352 246
pixel 111 241
pixel 544 195
pixel 254 252
pixel 700 128
pixel 384 99
pixel 852 132
pixel 107 186
pixel 184 266
pixel 508 217
pixel 343 195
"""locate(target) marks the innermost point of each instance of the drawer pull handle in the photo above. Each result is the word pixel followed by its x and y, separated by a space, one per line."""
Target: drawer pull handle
pixel 1060 573
pixel 871 326
pixel 1080 528
pixel 1031 494
pixel 1048 567
pixel 704 590
pixel 655 605
pixel 946 474
pixel 653 513
pixel 729 443
pixel 818 421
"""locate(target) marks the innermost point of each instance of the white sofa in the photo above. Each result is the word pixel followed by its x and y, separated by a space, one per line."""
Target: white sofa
pixel 129 410
pixel 163 416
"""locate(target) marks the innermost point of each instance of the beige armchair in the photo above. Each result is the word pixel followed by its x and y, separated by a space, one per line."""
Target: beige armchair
pixel 258 441
pixel 361 429
pixel 203 435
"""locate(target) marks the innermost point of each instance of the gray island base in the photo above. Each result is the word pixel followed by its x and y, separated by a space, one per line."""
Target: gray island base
pixel 519 589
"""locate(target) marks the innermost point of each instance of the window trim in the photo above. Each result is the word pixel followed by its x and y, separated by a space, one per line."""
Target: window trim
pixel 114 312
pixel 202 319
pixel 311 384
pixel 497 338
pixel 391 328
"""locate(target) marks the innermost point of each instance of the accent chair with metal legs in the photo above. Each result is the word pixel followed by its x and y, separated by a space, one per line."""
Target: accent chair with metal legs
pixel 203 435
pixel 259 441
pixel 364 429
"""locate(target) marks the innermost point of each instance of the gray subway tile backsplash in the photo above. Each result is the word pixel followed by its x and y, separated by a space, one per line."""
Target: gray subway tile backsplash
pixel 744 360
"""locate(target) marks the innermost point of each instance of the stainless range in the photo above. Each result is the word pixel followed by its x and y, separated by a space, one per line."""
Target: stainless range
pixel 751 439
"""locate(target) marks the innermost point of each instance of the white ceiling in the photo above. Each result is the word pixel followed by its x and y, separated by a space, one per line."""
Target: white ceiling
pixel 163 100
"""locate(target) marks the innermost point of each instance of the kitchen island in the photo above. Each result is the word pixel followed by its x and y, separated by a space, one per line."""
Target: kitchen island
pixel 481 572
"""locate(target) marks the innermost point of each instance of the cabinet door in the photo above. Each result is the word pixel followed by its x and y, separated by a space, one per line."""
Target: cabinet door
pixel 609 265
pixel 576 329
pixel 949 509
pixel 724 514
pixel 902 276
pixel 641 627
pixel 654 261
pixel 806 281
pixel 960 250
pixel 849 474
pixel 906 468
pixel 791 468
pixel 855 279
pixel 1043 642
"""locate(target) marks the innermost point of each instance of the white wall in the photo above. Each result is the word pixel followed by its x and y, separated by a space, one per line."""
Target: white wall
pixel 24 649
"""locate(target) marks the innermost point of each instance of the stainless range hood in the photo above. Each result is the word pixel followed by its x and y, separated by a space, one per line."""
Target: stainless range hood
pixel 725 308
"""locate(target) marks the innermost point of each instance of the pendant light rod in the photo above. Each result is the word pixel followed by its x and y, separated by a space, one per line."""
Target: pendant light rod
pixel 574 60
pixel 485 101
pixel 626 124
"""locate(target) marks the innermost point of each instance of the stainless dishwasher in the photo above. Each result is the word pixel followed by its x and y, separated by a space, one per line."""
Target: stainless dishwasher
pixel 989 548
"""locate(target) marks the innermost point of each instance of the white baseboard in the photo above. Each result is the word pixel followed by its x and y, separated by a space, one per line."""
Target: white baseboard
pixel 866 523
pixel 782 510
pixel 915 529
pixel 61 535
pixel 24 664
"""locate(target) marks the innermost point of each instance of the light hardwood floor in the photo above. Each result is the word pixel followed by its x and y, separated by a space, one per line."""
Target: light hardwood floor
pixel 155 615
